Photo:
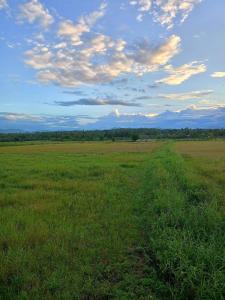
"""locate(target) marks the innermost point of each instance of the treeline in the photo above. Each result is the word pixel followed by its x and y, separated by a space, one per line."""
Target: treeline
pixel 115 134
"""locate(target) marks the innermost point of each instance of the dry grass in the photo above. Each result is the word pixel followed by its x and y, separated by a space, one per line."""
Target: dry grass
pixel 208 149
pixel 85 147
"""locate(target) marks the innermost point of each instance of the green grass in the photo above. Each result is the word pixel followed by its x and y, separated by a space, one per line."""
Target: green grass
pixel 111 224
pixel 182 218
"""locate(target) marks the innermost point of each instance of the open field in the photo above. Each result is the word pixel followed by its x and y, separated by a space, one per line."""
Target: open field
pixel 112 221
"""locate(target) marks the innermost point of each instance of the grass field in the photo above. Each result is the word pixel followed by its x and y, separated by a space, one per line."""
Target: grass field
pixel 112 221
pixel 83 148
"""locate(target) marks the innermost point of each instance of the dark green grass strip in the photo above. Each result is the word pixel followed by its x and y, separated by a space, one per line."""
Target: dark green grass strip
pixel 183 231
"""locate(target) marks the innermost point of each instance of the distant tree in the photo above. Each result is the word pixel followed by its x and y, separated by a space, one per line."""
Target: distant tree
pixel 135 137
pixel 115 134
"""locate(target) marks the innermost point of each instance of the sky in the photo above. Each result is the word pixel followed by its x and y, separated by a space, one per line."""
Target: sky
pixel 96 63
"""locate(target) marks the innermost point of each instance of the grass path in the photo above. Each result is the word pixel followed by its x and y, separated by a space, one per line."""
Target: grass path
pixel 113 226
pixel 181 217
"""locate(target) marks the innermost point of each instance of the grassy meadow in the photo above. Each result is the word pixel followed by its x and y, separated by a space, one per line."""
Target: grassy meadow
pixel 112 220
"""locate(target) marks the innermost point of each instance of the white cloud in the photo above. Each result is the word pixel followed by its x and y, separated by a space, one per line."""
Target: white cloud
pixel 218 74
pixel 165 12
pixel 34 11
pixel 100 44
pixel 73 32
pixel 149 60
pixel 20 117
pixel 70 65
pixel 3 4
pixel 94 16
pixel 39 58
pixel 144 6
pixel 77 55
pixel 13 122
pixel 180 74
pixel 95 58
pixel 169 10
pixel 187 96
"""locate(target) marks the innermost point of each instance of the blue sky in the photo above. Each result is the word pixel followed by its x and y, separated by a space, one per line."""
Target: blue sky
pixel 86 59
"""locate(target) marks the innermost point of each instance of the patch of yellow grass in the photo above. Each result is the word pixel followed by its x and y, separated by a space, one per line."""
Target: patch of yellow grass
pixel 209 149
pixel 85 147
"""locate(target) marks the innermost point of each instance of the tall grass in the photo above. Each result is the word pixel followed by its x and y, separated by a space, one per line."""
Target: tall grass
pixel 182 220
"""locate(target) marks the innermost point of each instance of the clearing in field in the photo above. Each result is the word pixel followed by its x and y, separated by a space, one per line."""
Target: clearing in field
pixel 112 221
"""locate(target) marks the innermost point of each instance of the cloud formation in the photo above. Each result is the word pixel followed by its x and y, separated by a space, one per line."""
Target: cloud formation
pixel 16 122
pixel 187 96
pixel 165 12
pixel 147 59
pixel 79 59
pixel 73 32
pixel 34 11
pixel 77 55
pixel 76 92
pixel 218 75
pixel 180 74
pixel 191 117
pixel 91 102
pixel 144 98
pixel 3 4
pixel 144 6
pixel 169 10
